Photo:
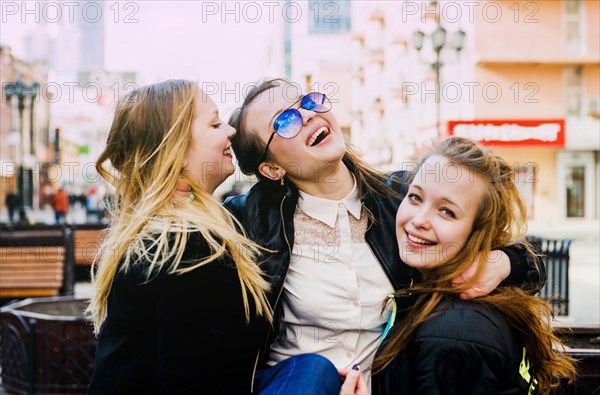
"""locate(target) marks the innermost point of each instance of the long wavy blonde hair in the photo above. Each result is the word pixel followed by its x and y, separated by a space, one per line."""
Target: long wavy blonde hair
pixel 501 220
pixel 144 159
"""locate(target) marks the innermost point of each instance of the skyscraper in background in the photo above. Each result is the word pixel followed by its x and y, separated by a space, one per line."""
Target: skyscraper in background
pixel 310 46
pixel 80 91
pixel 91 39
pixel 69 46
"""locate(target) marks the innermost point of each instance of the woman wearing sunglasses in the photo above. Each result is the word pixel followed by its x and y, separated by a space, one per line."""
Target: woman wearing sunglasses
pixel 328 219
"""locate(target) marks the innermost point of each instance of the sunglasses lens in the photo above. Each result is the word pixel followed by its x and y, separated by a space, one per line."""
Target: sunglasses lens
pixel 288 123
pixel 316 102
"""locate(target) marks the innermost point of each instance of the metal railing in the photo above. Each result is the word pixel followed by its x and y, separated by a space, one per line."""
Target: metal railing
pixel 556 257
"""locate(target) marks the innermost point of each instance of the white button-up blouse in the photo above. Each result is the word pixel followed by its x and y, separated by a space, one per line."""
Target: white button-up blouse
pixel 334 290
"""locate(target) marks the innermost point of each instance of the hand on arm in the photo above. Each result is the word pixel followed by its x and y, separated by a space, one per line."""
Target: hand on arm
pixel 512 265
pixel 497 270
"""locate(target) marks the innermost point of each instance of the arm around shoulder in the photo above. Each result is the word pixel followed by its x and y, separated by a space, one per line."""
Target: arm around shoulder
pixel 527 270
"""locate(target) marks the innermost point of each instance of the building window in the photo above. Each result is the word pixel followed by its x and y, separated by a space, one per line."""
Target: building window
pixel 328 16
pixel 573 90
pixel 573 25
pixel 525 180
pixel 576 192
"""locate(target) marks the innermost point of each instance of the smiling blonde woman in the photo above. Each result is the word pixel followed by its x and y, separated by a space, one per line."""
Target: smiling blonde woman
pixel 179 303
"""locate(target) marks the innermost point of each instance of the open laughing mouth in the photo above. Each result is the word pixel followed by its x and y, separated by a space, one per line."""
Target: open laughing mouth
pixel 318 136
pixel 420 241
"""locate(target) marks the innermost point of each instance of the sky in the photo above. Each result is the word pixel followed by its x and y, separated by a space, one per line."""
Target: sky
pixel 214 42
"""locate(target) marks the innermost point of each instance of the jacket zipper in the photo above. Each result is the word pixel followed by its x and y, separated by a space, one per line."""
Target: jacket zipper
pixel 281 289
pixel 287 241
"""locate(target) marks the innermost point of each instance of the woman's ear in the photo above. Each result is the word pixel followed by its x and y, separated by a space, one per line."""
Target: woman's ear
pixel 271 170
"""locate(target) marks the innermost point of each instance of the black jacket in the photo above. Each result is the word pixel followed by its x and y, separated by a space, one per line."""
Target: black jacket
pixel 469 349
pixel 267 212
pixel 176 334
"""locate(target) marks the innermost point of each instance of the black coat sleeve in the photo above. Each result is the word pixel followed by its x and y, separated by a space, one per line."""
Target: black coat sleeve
pixel 195 315
pixel 527 271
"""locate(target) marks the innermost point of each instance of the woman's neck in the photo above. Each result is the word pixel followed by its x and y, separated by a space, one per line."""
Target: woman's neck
pixel 334 185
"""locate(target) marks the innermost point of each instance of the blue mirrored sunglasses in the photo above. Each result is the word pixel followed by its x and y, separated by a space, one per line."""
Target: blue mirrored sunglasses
pixel 289 123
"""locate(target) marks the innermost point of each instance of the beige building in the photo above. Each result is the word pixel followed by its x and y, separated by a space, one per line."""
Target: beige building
pixel 546 59
pixel 526 80
pixel 24 132
pixel 8 135
pixel 310 46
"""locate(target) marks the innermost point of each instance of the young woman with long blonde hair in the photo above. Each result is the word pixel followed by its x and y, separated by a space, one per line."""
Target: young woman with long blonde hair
pixel 463 201
pixel 179 303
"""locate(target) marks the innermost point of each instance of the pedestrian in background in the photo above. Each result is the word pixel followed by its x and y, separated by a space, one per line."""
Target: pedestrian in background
pixel 60 205
pixel 12 204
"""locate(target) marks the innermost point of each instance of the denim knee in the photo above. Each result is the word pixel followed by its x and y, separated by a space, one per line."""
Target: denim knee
pixel 325 378
pixel 305 374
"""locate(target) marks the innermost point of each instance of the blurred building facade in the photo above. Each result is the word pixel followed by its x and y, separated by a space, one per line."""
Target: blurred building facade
pixel 24 128
pixel 80 93
pixel 551 68
pixel 526 81
pixel 310 47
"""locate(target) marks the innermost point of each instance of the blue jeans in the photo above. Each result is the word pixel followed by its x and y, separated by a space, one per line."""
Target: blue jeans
pixel 59 217
pixel 305 374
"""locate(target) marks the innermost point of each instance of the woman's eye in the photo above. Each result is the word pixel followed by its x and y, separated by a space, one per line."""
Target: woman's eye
pixel 414 197
pixel 448 212
pixel 216 126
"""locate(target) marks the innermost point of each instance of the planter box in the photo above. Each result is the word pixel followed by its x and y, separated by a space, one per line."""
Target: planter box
pixel 47 346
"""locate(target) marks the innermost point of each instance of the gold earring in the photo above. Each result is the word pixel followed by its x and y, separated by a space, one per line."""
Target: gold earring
pixel 191 196
pixel 282 181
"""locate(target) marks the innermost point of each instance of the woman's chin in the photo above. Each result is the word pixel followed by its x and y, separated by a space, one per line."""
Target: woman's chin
pixel 416 261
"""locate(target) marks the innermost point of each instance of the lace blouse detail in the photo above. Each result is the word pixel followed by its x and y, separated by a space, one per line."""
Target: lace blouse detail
pixel 308 230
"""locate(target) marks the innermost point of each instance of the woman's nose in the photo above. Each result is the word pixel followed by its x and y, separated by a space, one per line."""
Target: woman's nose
pixel 230 131
pixel 307 115
pixel 421 220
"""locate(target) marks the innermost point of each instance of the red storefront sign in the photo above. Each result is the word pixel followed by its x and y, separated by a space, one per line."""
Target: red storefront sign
pixel 512 132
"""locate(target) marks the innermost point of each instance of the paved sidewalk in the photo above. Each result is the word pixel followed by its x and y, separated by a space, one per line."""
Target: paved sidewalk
pixel 584 280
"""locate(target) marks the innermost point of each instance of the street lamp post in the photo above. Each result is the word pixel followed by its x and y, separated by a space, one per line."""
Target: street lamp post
pixel 438 42
pixel 21 91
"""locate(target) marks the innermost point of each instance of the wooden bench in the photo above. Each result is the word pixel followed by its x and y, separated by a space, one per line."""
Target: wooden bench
pixel 36 261
pixel 31 271
pixel 88 239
